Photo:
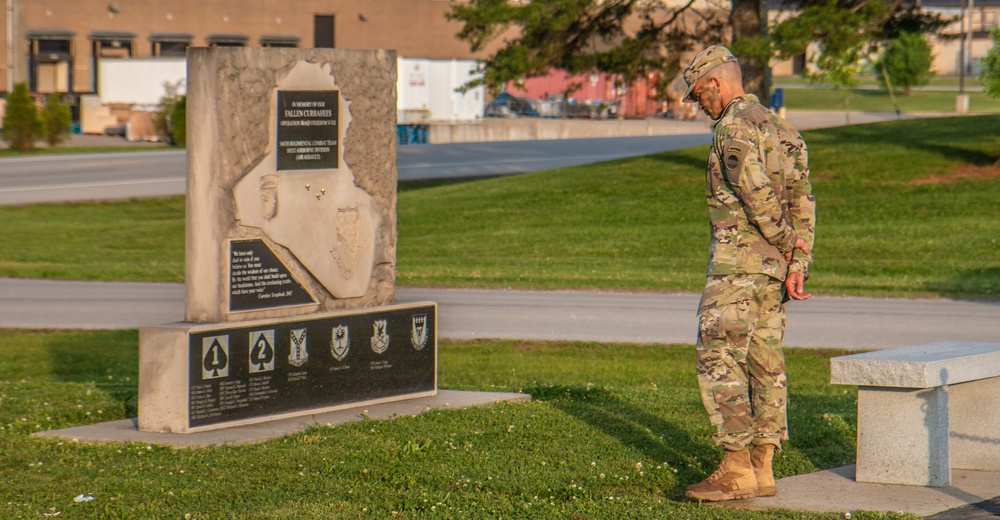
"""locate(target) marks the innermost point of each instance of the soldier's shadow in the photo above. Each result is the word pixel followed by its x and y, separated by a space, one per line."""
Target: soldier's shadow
pixel 650 434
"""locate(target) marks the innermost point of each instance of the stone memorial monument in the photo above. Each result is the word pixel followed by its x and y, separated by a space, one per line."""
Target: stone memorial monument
pixel 290 246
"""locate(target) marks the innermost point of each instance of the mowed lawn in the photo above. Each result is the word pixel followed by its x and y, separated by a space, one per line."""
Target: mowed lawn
pixel 905 208
pixel 612 432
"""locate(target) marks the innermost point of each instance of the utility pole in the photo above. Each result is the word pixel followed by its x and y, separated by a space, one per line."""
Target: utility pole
pixel 10 46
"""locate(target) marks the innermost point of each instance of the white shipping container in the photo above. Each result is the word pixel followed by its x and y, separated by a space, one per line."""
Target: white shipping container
pixel 426 88
pixel 139 81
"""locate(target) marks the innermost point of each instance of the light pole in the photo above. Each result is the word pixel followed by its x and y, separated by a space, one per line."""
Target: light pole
pixel 965 58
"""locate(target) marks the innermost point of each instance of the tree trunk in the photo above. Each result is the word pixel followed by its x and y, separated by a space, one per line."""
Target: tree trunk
pixel 749 20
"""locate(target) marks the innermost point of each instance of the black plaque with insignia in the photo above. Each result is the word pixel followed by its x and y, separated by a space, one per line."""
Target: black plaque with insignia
pixel 258 279
pixel 248 372
pixel 308 129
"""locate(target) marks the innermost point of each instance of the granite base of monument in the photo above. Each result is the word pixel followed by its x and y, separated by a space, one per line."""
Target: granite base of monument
pixel 196 377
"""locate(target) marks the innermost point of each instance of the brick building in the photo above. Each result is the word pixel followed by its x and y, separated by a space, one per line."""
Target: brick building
pixel 55 45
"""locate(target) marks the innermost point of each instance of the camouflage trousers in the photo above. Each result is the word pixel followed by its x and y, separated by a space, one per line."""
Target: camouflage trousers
pixel 740 364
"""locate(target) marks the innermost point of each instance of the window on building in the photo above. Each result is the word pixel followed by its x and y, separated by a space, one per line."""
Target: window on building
pixel 279 41
pixel 172 45
pixel 323 31
pixel 799 63
pixel 109 44
pixel 226 40
pixel 50 60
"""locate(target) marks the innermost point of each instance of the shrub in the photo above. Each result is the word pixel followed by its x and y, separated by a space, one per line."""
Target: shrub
pixel 178 122
pixel 22 125
pixel 907 61
pixel 163 120
pixel 990 73
pixel 56 119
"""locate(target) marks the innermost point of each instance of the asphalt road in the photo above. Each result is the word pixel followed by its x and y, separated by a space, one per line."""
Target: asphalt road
pixel 849 323
pixel 111 176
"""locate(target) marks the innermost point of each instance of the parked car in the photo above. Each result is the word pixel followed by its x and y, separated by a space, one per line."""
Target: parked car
pixel 506 105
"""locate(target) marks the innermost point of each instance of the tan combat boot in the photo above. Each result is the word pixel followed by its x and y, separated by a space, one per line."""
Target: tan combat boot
pixel 733 480
pixel 760 457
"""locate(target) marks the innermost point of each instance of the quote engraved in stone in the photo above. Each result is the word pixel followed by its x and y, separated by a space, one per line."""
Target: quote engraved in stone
pixel 258 279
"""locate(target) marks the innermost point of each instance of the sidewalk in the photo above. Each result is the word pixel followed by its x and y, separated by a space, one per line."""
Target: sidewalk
pixel 88 140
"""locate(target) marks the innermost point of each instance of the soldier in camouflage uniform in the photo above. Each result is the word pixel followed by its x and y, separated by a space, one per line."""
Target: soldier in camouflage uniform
pixel 762 215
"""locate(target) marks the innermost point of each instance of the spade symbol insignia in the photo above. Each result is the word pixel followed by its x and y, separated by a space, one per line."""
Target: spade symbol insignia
pixel 262 354
pixel 215 359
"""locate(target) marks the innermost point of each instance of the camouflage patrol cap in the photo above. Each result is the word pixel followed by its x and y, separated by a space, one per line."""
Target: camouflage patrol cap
pixel 705 61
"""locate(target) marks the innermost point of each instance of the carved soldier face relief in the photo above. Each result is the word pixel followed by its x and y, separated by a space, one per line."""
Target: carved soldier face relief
pixel 268 196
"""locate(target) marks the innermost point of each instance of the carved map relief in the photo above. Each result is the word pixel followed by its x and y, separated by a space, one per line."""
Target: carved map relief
pixel 302 195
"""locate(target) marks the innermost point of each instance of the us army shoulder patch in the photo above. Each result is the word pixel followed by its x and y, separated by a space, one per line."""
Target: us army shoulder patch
pixel 734 151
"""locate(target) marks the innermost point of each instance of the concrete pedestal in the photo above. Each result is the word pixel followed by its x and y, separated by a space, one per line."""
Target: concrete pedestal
pixel 198 377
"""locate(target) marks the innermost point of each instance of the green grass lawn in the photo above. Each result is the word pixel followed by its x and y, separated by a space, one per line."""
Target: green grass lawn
pixel 905 209
pixel 613 431
pixel 67 150
pixel 880 101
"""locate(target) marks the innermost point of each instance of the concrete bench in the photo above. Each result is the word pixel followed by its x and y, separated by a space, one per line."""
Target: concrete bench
pixel 923 410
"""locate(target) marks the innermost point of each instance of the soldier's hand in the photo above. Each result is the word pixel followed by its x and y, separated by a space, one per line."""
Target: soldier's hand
pixel 801 246
pixel 795 285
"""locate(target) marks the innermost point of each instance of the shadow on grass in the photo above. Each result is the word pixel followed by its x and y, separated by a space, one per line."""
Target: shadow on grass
pixel 984 283
pixel 636 427
pixel 109 359
pixel 416 185
pixel 823 429
pixel 943 136
pixel 684 160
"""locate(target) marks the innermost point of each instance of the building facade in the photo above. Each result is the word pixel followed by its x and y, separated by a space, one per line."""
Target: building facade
pixel 56 45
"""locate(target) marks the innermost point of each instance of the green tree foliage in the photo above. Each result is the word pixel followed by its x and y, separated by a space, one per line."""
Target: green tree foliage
pixel 842 36
pixel 178 122
pixel 906 60
pixel 990 73
pixel 56 119
pixel 628 38
pixel 847 32
pixel 22 125
pixel 163 116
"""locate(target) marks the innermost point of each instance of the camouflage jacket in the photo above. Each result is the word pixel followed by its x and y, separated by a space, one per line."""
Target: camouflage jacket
pixel 759 196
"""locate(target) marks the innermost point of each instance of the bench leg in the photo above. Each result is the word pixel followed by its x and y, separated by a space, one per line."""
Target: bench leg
pixel 975 424
pixel 903 436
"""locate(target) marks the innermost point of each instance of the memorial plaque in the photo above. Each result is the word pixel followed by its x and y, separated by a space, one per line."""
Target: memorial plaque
pixel 308 129
pixel 251 371
pixel 258 279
